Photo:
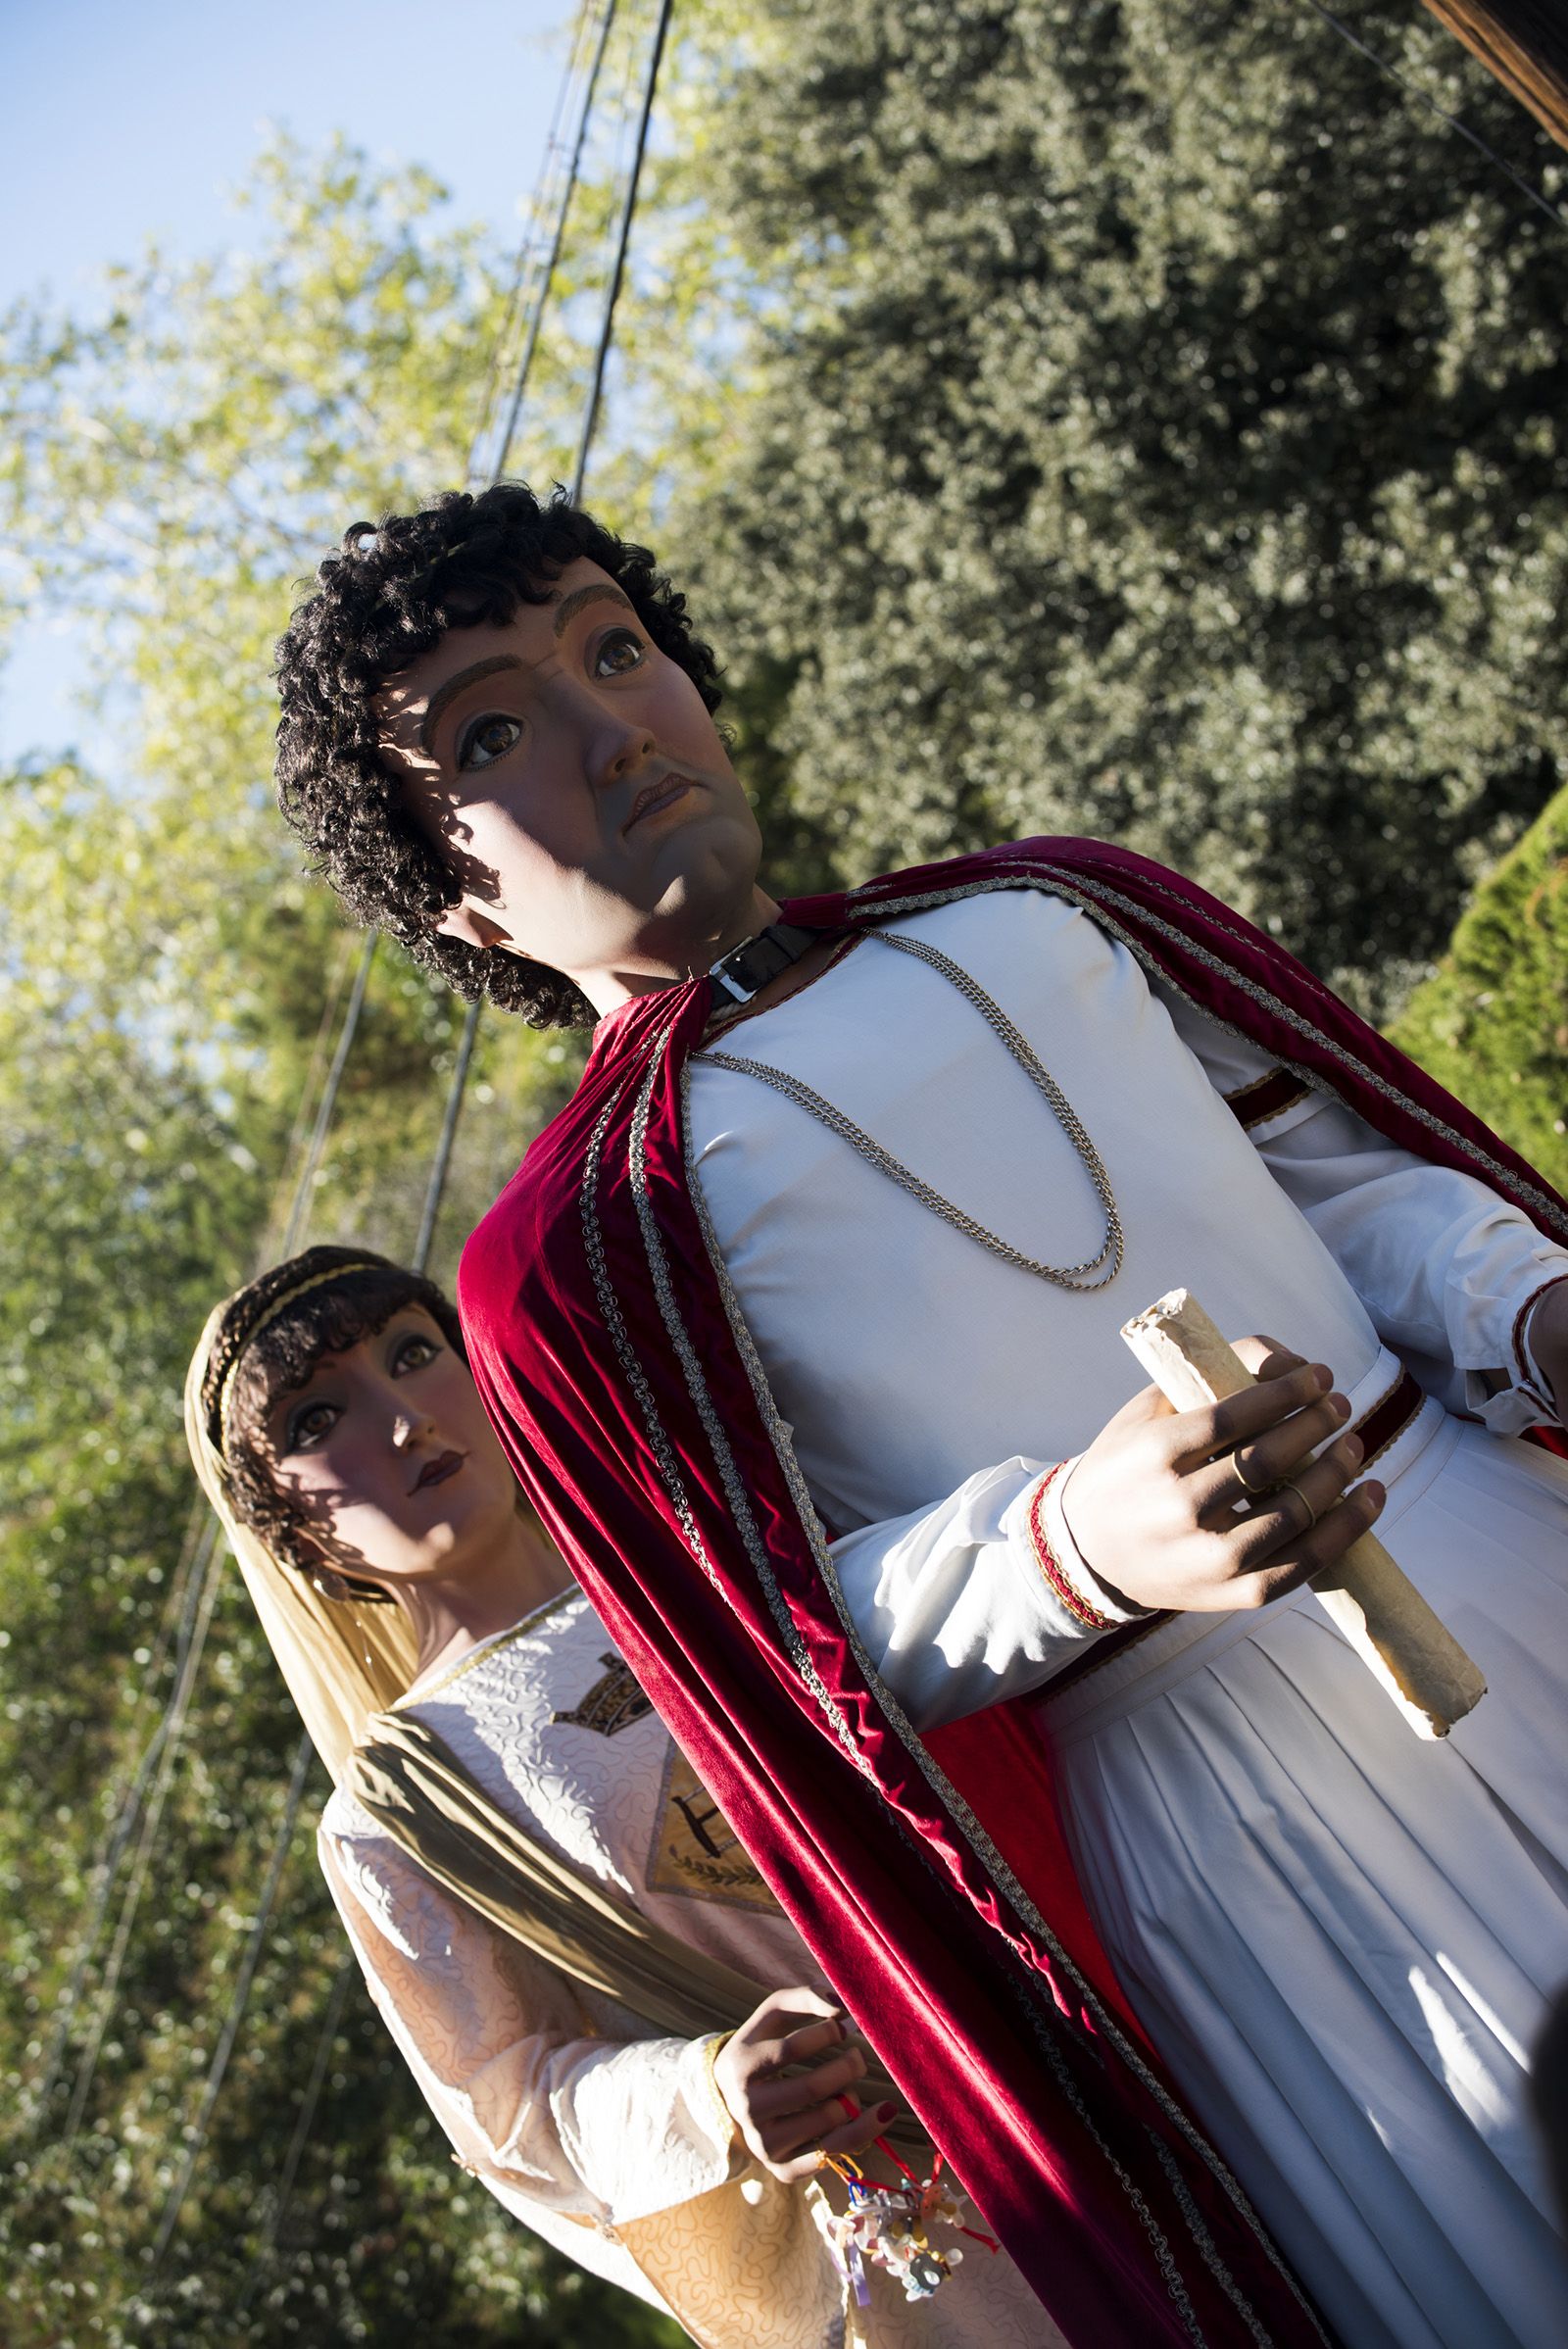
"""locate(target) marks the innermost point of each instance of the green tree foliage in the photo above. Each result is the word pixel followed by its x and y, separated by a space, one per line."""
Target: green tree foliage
pixel 1159 434
pixel 173 465
pixel 1491 1022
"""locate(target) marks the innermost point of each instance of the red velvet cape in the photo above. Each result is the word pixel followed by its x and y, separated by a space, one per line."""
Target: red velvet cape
pixel 930 1874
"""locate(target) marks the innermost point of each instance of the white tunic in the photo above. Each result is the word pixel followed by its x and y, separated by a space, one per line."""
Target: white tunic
pixel 576 2122
pixel 1340 1938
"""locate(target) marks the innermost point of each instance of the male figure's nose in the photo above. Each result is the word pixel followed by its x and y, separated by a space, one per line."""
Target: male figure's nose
pixel 618 750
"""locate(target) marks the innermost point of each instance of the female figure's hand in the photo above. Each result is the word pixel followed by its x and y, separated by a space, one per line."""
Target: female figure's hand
pixel 1153 1503
pixel 782 2076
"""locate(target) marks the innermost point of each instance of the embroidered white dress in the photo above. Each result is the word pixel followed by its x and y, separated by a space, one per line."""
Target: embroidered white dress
pixel 1340 1939
pixel 577 2124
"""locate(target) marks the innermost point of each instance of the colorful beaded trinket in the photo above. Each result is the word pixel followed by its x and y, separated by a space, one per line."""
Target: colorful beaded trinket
pixel 891 2226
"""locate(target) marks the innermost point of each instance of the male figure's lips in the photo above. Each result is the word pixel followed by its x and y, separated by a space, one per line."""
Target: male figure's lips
pixel 656 794
pixel 436 1471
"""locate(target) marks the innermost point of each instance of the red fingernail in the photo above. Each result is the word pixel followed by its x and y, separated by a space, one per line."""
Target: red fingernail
pixel 886 2112
pixel 1376 1495
pixel 1351 1448
pixel 1322 1376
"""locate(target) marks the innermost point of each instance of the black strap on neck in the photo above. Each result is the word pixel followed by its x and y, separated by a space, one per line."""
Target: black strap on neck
pixel 748 968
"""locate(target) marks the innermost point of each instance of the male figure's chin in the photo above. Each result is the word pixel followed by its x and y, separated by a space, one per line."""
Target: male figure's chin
pixel 700 870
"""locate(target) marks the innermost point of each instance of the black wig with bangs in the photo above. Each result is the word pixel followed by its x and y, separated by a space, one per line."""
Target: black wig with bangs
pixel 335 1296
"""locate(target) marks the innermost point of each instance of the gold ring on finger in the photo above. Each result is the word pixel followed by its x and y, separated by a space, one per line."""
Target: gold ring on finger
pixel 1288 1484
pixel 1254 1491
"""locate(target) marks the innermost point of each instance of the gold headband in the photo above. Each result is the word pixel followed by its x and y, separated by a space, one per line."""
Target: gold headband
pixel 280 1304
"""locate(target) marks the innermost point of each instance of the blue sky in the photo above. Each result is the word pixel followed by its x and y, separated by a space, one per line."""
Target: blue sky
pixel 127 124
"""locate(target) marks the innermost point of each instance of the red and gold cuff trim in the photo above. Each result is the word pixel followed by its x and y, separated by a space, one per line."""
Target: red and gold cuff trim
pixel 1050 1566
pixel 1267 1097
pixel 1387 1421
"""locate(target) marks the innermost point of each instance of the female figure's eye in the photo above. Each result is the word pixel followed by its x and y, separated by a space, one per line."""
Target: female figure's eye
pixel 310 1425
pixel 414 1353
pixel 618 653
pixel 487 740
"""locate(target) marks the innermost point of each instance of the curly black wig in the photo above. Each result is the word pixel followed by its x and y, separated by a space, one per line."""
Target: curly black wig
pixel 345 1295
pixel 392 593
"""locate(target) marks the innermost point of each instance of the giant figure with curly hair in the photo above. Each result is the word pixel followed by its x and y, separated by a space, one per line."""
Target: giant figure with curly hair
pixel 800 1328
pixel 391 595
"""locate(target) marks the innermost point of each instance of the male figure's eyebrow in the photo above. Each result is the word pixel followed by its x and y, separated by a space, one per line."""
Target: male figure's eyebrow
pixel 570 606
pixel 446 693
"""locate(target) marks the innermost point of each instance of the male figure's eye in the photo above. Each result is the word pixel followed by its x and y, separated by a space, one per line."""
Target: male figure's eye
pixel 487 740
pixel 618 653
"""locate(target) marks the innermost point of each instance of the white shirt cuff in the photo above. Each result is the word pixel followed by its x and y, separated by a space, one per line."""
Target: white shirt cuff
pixel 1527 1401
pixel 954 1606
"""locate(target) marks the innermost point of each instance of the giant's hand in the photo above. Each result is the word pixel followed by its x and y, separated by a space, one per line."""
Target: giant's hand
pixel 782 2076
pixel 1153 1502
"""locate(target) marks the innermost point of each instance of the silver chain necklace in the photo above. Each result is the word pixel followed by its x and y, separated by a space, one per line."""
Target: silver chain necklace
pixel 1093 1272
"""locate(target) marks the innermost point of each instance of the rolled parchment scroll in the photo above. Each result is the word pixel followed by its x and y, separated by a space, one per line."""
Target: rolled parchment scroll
pixel 1370 1600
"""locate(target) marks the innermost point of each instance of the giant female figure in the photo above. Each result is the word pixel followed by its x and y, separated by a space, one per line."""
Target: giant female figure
pixel 599 1996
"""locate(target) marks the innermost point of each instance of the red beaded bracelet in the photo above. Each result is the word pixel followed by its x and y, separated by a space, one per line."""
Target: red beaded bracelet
pixel 1071 1597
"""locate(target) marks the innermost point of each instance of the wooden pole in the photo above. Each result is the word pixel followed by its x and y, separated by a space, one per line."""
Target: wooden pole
pixel 1525 44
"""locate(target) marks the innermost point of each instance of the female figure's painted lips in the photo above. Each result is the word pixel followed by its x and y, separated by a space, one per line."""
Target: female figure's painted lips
pixel 436 1470
pixel 655 796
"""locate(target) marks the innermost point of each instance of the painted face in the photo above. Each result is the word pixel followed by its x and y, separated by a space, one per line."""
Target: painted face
pixel 388 1450
pixel 576 787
